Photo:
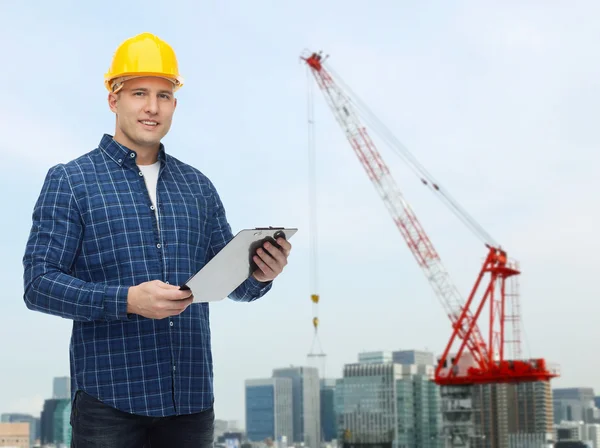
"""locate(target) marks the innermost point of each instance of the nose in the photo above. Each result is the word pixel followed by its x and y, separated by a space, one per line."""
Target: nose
pixel 151 105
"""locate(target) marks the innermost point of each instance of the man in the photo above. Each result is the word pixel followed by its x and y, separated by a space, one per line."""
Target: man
pixel 114 234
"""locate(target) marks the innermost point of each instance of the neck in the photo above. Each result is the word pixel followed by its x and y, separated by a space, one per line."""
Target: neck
pixel 146 155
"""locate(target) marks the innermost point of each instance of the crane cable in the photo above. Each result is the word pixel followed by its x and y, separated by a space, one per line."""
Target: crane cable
pixel 312 210
pixel 425 177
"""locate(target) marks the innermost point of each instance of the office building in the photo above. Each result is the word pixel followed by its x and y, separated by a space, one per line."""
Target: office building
pixel 367 404
pixel 55 422
pixel 61 387
pixel 531 409
pixel 426 404
pixel 574 404
pixel 328 417
pixel 306 404
pixel 413 357
pixel 404 357
pixel 513 415
pixel 34 424
pixel 269 409
pixel 491 415
pixel 592 432
pixel 378 357
pixel 14 435
pixel 388 404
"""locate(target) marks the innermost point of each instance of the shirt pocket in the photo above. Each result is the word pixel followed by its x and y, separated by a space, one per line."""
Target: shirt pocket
pixel 188 217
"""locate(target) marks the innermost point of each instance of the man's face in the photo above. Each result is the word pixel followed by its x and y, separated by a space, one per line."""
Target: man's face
pixel 144 108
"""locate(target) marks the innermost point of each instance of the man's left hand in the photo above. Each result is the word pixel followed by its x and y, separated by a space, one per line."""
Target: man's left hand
pixel 271 260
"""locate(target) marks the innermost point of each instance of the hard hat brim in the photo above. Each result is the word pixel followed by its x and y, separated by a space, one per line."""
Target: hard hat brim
pixel 109 80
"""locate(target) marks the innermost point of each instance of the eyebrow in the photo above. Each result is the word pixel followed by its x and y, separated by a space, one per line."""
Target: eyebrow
pixel 144 89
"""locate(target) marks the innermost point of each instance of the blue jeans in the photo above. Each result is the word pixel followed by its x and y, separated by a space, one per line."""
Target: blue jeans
pixel 97 425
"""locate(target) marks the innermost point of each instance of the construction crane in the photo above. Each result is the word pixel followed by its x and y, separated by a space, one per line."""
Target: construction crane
pixel 488 363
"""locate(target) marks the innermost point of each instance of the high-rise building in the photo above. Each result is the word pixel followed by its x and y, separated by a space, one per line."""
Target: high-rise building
pixel 34 424
pixel 509 415
pixel 410 357
pixel 14 435
pixel 491 415
pixel 592 431
pixel 531 409
pixel 367 404
pixel 269 409
pixel 427 404
pixel 328 417
pixel 306 403
pixel 378 357
pixel 61 387
pixel 388 404
pixel 55 422
pixel 574 404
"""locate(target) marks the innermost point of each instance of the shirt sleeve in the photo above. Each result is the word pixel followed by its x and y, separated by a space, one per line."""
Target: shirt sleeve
pixel 51 250
pixel 221 234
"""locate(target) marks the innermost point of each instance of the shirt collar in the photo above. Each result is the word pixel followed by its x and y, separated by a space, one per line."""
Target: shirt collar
pixel 120 154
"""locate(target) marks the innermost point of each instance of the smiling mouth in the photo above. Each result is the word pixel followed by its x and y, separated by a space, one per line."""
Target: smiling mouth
pixel 149 122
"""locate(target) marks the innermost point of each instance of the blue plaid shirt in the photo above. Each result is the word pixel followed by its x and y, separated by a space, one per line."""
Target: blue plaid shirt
pixel 94 235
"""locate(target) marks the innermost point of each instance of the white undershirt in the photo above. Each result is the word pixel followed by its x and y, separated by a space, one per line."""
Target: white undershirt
pixel 151 178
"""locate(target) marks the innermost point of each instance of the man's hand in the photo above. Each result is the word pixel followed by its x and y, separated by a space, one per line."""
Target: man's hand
pixel 271 260
pixel 157 300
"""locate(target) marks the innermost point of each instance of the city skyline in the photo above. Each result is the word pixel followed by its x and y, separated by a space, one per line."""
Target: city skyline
pixel 497 102
pixel 375 356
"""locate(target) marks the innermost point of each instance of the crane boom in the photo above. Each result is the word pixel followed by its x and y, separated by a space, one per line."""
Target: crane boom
pixel 487 359
pixel 401 212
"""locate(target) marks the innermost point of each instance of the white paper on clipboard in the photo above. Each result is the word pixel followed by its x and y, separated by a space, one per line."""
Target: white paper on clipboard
pixel 231 266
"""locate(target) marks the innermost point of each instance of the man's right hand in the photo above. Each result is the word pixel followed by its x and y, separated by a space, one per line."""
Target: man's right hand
pixel 157 300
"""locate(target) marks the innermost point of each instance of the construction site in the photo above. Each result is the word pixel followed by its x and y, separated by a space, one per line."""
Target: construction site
pixel 436 163
pixel 491 396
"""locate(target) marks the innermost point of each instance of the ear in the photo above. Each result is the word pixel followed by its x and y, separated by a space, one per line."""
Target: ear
pixel 175 103
pixel 112 101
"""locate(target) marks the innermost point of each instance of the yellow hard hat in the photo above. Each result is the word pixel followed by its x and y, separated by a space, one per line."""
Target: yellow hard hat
pixel 143 55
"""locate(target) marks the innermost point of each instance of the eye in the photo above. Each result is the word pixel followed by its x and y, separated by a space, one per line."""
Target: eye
pixel 138 93
pixel 165 96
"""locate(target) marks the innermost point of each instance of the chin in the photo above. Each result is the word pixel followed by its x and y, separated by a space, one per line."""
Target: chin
pixel 155 140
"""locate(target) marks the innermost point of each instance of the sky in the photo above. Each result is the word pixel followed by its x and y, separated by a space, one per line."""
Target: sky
pixel 498 100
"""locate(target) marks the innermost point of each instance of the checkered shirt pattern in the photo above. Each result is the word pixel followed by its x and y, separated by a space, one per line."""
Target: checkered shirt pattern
pixel 94 234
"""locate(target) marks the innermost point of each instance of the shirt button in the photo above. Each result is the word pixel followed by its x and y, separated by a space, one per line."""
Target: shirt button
pixel 174 368
pixel 171 323
pixel 167 283
pixel 132 155
pixel 158 245
pixel 140 173
pixel 151 207
pixel 120 160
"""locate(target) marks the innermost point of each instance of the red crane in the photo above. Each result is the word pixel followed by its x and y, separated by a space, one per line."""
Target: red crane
pixel 489 364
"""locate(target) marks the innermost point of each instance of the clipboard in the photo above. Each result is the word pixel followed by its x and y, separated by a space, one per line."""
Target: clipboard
pixel 233 264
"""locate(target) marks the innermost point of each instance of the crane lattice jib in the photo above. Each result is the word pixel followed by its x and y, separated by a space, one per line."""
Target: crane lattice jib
pixel 402 214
